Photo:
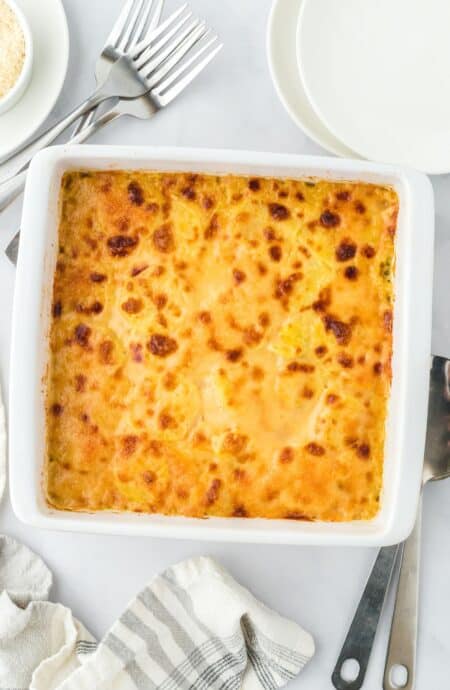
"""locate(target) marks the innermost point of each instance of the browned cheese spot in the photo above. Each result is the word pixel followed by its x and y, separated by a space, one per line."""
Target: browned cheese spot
pixel 136 270
pixel 121 245
pixel 82 334
pixel 205 317
pixel 299 366
pixel 97 277
pixel 341 331
pixel 368 251
pixel 387 320
pixel 161 345
pixel 315 449
pixel 286 455
pixel 207 203
pixel 275 252
pixel 132 305
pixel 80 383
pixel 351 273
pixel 328 219
pixel 251 336
pixel 163 239
pixel 57 309
pixel 160 300
pixel 239 276
pixel 213 228
pixel 106 352
pixel 213 492
pixel 56 409
pixel 166 421
pixel 323 301
pixel 345 360
pixel 189 193
pixel 363 451
pixel 129 444
pixel 136 352
pixel 234 443
pixel 346 250
pixel 233 355
pixel 135 193
pixel 279 212
pixel 148 477
pixel 264 319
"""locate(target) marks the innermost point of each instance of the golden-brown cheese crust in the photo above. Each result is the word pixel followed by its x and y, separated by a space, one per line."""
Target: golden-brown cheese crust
pixel 220 345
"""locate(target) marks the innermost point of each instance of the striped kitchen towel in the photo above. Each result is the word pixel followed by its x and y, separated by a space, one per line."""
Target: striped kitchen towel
pixel 193 627
pixel 196 627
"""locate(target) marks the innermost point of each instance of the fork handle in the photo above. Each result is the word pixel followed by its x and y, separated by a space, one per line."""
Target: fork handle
pixel 11 188
pixel 78 138
pixel 403 637
pixel 91 127
pixel 360 637
pixel 13 185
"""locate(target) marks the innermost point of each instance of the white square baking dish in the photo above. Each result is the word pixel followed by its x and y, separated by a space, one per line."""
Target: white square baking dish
pixel 407 412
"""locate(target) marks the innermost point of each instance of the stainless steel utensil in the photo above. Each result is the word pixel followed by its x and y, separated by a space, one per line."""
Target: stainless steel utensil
pixel 120 42
pixel 403 638
pixel 361 635
pixel 165 81
pixel 125 78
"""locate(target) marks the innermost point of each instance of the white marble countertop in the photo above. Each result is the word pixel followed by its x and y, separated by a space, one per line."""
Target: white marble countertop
pixel 234 105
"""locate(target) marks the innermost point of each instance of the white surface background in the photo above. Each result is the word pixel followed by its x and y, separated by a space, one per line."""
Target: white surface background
pixel 234 105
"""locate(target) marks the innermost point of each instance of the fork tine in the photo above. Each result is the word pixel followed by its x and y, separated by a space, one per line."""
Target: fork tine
pixel 139 29
pixel 128 32
pixel 151 64
pixel 142 46
pixel 154 77
pixel 165 95
pixel 173 76
pixel 119 24
pixel 154 21
pixel 159 47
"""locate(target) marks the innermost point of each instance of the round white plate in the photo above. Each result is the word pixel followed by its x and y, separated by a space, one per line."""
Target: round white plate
pixel 281 53
pixel 48 25
pixel 377 74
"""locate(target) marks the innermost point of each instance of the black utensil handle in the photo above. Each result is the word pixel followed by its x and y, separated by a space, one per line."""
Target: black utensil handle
pixel 359 641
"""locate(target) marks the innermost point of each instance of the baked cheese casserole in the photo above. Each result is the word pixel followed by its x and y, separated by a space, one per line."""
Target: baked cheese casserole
pixel 220 345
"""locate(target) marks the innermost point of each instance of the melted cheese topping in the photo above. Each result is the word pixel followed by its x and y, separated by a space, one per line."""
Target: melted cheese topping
pixel 220 346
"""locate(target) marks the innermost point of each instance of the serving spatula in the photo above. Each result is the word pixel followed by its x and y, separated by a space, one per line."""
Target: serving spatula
pixel 402 644
pixel 401 653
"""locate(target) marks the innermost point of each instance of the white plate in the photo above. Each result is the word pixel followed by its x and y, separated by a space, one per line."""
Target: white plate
pixel 281 54
pixel 377 74
pixel 406 423
pixel 48 26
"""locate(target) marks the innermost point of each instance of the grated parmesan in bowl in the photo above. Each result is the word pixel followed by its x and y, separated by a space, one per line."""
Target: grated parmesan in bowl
pixel 15 54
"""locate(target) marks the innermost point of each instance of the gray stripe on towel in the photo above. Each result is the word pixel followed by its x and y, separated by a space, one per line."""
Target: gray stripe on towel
pixel 220 646
pixel 157 608
pixel 127 656
pixel 153 646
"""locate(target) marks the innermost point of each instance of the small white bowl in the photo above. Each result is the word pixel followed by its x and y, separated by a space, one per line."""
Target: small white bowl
pixel 17 91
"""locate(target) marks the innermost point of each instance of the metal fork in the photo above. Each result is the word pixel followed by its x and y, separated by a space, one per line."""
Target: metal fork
pixel 165 82
pixel 124 79
pixel 120 42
